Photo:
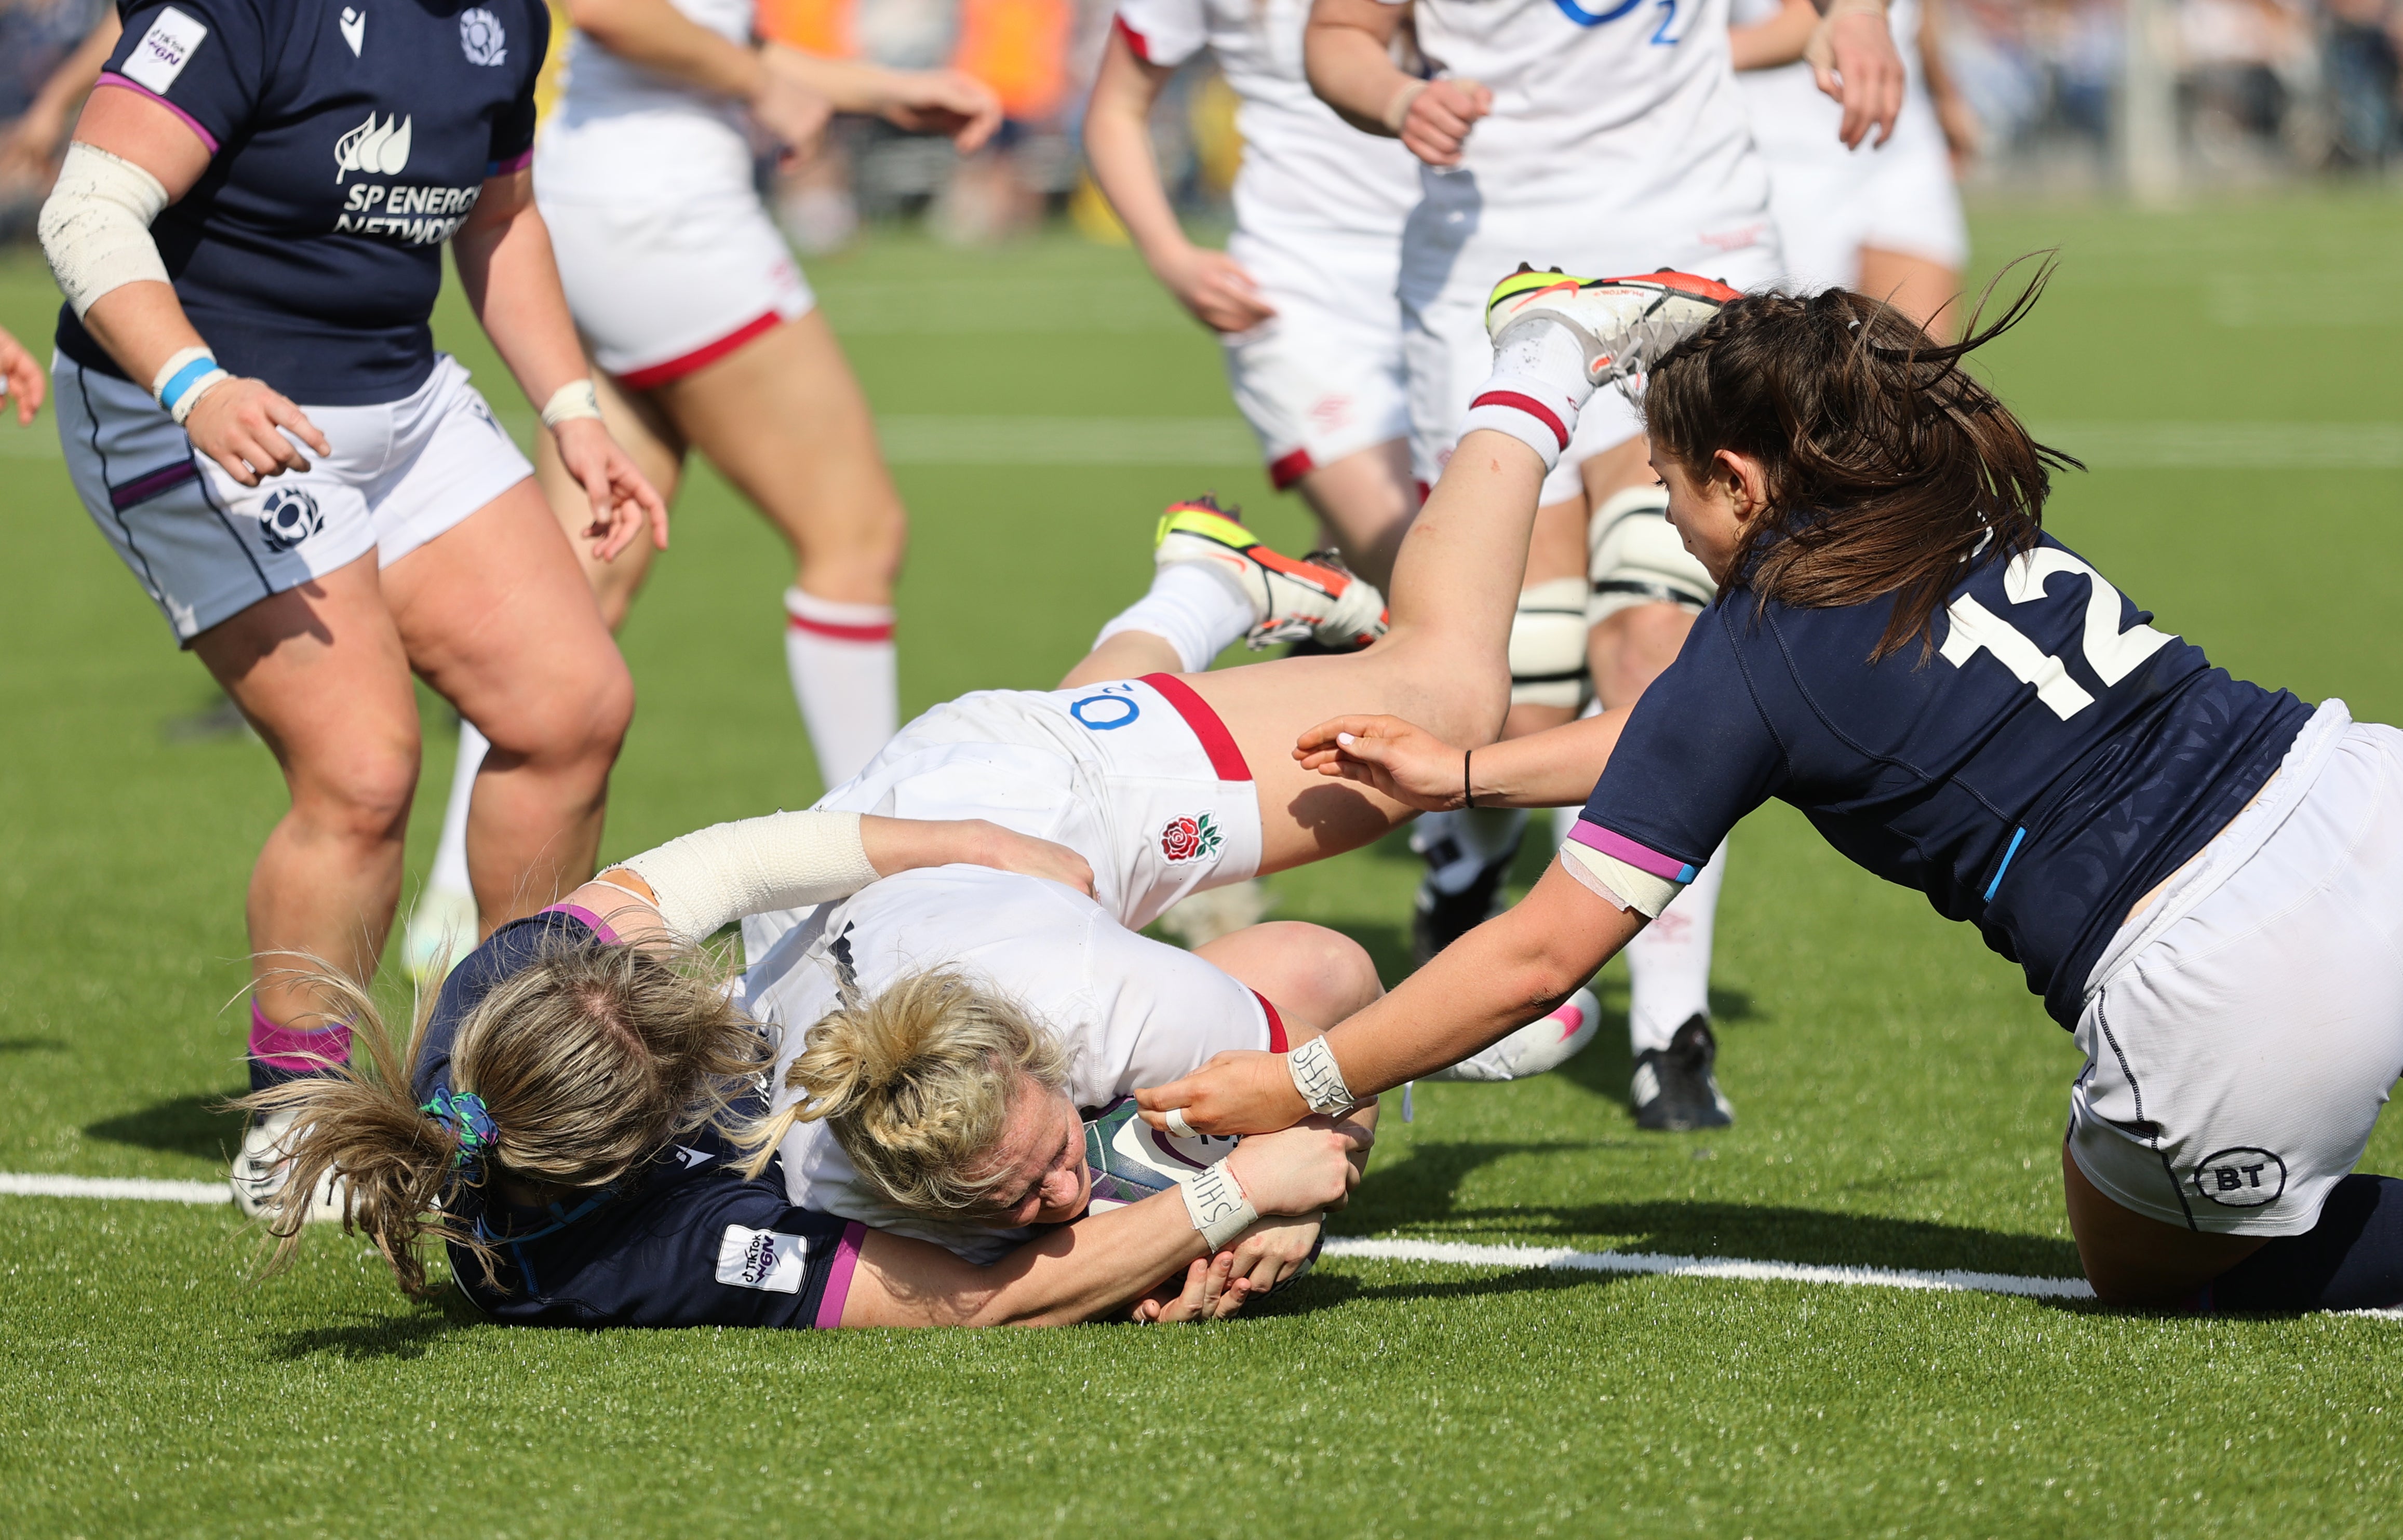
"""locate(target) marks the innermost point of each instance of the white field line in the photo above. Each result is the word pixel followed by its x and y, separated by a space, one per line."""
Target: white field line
pixel 944 441
pixel 138 1189
pixel 1461 1254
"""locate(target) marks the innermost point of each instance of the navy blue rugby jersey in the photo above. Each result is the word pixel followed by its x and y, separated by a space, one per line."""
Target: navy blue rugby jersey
pixel 2054 760
pixel 348 143
pixel 683 1241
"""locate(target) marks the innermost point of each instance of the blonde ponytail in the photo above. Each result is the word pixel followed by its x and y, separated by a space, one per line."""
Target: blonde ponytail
pixel 588 1061
pixel 917 1085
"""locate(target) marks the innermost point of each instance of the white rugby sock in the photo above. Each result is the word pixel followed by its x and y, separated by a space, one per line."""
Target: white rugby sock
pixel 1481 837
pixel 450 873
pixel 1669 961
pixel 1194 607
pixel 842 665
pixel 1537 388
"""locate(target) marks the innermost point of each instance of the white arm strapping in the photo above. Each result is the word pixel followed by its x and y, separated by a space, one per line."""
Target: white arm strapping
pixel 714 877
pixel 95 227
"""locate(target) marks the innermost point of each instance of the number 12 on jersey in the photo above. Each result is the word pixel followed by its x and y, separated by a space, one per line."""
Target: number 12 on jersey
pixel 2113 654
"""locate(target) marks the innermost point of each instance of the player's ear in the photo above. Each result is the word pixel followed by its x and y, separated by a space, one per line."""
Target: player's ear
pixel 1742 479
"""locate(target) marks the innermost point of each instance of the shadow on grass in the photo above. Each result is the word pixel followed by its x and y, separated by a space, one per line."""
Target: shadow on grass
pixel 1421 1193
pixel 33 1045
pixel 198 1126
pixel 391 1336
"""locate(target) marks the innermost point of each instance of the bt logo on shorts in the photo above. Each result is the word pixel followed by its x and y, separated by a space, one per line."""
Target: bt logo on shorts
pixel 288 517
pixel 2241 1177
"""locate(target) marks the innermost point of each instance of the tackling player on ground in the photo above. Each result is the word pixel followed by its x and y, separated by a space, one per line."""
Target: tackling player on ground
pixel 1605 138
pixel 2202 878
pixel 708 338
pixel 249 230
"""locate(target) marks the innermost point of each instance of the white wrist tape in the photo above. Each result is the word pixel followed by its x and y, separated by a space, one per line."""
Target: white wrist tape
pixel 188 375
pixel 714 877
pixel 576 399
pixel 1397 111
pixel 1318 1078
pixel 95 227
pixel 1218 1207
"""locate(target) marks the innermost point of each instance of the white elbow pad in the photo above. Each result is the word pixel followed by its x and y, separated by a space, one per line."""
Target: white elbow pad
pixel 95 227
pixel 714 877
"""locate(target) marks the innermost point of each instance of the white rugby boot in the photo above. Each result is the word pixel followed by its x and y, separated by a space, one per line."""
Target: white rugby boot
pixel 260 1167
pixel 1625 324
pixel 1538 1046
pixel 1313 598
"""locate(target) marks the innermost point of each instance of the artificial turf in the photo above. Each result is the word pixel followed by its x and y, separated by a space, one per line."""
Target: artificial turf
pixel 1899 1095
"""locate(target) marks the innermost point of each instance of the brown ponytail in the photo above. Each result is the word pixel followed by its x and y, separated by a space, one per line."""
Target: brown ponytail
pixel 588 1060
pixel 1888 465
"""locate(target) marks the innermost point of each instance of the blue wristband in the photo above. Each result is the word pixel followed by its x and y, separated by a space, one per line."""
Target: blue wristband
pixel 184 379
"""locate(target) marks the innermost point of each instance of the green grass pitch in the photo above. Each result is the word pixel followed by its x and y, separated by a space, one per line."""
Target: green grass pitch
pixel 1900 1095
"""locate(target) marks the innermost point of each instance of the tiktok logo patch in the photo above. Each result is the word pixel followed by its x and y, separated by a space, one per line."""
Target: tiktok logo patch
pixel 2241 1177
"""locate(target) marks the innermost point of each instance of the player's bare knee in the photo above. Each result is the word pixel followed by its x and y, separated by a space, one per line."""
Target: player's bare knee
pixel 1328 975
pixel 360 796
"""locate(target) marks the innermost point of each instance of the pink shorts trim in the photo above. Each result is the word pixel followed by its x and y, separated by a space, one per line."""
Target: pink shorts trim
pixel 837 1284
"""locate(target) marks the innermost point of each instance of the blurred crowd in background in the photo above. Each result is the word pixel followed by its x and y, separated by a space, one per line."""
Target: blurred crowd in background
pixel 2262 87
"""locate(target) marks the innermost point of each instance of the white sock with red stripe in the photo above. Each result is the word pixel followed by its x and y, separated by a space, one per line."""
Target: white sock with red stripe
pixel 841 661
pixel 1669 961
pixel 1194 606
pixel 1537 388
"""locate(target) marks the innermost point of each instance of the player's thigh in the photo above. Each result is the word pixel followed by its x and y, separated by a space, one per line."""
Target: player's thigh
pixel 497 617
pixel 1368 498
pixel 783 418
pixel 2134 1259
pixel 1315 977
pixel 320 671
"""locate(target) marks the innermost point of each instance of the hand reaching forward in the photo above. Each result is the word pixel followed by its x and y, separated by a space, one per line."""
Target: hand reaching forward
pixel 623 500
pixel 1241 1090
pixel 1216 289
pixel 1406 762
pixel 1009 851
pixel 1433 118
pixel 946 102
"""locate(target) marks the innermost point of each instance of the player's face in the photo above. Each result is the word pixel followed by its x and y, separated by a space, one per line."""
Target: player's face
pixel 1708 510
pixel 1042 1156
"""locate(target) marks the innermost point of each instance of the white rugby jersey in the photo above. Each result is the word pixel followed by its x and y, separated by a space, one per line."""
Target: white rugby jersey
pixel 1626 105
pixel 1302 165
pixel 1133 1011
pixel 622 130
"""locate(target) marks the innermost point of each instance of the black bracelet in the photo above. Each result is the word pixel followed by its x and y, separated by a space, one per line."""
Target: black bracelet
pixel 1468 787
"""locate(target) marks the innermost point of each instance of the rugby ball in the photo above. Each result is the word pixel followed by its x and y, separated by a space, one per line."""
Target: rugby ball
pixel 1131 1159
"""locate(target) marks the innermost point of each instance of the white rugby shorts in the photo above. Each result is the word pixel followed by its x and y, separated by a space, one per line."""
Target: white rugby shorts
pixel 2242 1032
pixel 1901 199
pixel 206 548
pixel 1444 341
pixel 1325 377
pixel 660 289
pixel 1138 776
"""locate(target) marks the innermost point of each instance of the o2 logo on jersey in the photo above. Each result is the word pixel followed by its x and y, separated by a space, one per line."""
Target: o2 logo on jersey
pixel 288 517
pixel 1661 37
pixel 480 36
pixel 1190 838
pixel 2241 1177
pixel 1104 713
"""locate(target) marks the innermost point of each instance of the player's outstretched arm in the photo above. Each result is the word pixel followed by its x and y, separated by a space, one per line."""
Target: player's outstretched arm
pixel 21 378
pixel 1779 40
pixel 688 888
pixel 947 101
pixel 1101 1267
pixel 1553 769
pixel 665 41
pixel 1347 52
pixel 1118 146
pixel 1488 983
